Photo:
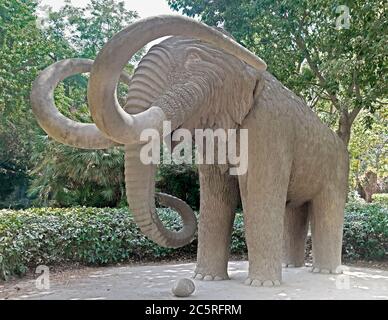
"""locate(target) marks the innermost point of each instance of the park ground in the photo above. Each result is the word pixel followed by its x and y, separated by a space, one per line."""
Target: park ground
pixel 154 281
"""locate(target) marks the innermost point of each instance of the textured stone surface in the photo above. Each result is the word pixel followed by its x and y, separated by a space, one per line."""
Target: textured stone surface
pixel 297 167
pixel 183 287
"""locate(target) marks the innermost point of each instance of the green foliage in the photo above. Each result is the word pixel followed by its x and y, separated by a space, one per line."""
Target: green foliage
pixel 87 236
pixel 365 231
pixel 238 244
pixel 180 181
pixel 87 29
pixel 381 199
pixel 67 176
pixel 27 47
pixel 368 147
pixel 338 72
pixel 64 176
pixel 24 50
pixel 92 236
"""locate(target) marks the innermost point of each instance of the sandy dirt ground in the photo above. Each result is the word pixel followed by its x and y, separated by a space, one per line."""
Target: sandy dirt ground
pixel 155 282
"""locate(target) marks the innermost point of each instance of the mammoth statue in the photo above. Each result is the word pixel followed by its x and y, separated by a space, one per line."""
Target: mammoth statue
pixel 200 78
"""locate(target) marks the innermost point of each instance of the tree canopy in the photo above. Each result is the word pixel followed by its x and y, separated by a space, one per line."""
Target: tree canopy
pixel 28 158
pixel 333 53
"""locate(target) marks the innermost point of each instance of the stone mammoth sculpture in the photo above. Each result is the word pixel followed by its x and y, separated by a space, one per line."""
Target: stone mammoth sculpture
pixel 200 78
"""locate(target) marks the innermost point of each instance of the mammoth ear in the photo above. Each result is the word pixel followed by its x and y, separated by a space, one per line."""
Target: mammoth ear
pixel 255 77
pixel 247 87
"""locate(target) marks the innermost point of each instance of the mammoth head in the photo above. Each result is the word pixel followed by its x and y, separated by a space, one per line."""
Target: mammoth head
pixel 195 84
pixel 106 111
pixel 194 79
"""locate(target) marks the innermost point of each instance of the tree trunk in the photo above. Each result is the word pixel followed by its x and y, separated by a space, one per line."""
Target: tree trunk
pixel 344 127
pixel 368 186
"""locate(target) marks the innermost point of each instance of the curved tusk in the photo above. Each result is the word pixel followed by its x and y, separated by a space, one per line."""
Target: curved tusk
pixel 56 125
pixel 105 109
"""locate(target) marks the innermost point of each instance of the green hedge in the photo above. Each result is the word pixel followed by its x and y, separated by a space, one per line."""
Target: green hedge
pixel 380 198
pixel 365 231
pixel 77 235
pixel 93 236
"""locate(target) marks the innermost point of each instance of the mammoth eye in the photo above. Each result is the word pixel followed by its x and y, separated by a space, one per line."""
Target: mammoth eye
pixel 193 58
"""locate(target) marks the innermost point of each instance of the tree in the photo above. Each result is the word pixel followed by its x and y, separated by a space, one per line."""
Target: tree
pixel 369 154
pixel 28 46
pixel 67 176
pixel 23 52
pixel 338 71
pixel 88 28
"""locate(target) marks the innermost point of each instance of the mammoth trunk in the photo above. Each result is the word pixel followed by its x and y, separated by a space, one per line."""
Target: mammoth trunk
pixel 140 189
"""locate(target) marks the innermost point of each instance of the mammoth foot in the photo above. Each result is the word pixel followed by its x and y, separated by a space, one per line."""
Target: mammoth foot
pixel 209 277
pixel 210 272
pixel 261 283
pixel 337 270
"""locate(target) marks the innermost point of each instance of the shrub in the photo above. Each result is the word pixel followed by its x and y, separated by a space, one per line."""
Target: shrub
pixel 64 176
pixel 380 198
pixel 365 231
pixel 180 181
pixel 238 245
pixel 87 236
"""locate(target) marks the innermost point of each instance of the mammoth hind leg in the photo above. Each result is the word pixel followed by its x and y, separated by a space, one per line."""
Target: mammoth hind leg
pixel 294 236
pixel 327 214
